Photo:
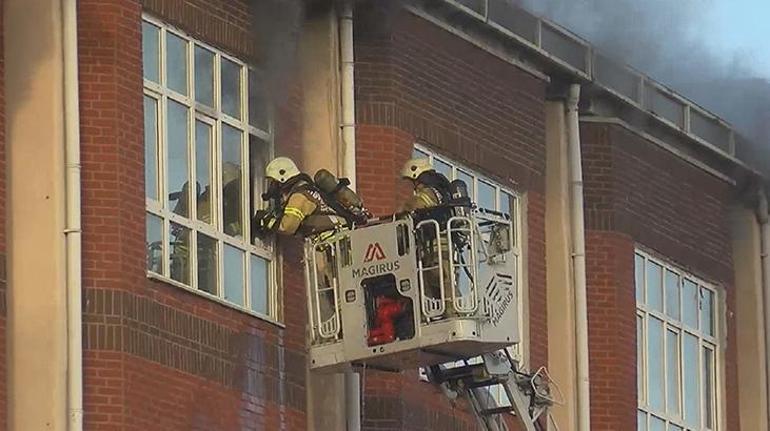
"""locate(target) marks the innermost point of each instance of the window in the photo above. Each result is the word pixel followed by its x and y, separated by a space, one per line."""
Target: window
pixel 677 348
pixel 488 196
pixel 207 139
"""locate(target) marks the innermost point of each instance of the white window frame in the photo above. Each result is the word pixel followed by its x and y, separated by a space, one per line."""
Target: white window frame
pixel 216 118
pixel 714 342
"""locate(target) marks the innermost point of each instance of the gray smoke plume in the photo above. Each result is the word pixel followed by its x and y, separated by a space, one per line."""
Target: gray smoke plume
pixel 276 27
pixel 666 40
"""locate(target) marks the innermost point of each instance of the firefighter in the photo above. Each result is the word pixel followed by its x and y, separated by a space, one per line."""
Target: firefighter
pixel 431 191
pixel 296 206
pixel 431 188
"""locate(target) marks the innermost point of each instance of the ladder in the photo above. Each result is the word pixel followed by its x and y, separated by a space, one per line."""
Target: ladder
pixel 529 395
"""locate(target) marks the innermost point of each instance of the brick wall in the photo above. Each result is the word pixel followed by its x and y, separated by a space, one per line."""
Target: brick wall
pixel 638 194
pixel 416 82
pixel 156 356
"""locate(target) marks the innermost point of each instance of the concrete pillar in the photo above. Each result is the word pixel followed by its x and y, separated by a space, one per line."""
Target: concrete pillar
pixel 752 392
pixel 560 295
pixel 37 325
pixel 319 71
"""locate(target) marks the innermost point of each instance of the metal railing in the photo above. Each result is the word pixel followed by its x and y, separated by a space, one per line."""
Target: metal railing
pixel 577 56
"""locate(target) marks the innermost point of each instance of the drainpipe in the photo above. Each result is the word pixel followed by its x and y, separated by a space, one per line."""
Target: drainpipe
pixel 347 90
pixel 764 220
pixel 578 258
pixel 72 230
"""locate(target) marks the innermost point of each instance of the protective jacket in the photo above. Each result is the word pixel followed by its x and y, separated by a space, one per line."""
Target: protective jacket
pixel 432 190
pixel 306 212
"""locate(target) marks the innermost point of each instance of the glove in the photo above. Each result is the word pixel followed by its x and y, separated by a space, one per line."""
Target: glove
pixel 264 221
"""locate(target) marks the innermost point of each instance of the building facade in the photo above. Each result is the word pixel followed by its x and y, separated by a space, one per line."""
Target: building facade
pixel 187 320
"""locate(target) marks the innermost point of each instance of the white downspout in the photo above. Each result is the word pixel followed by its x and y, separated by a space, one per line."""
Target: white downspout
pixel 72 229
pixel 578 258
pixel 347 90
pixel 764 220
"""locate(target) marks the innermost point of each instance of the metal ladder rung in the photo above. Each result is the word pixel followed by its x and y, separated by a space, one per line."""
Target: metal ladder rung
pixel 485 383
pixel 459 373
pixel 496 411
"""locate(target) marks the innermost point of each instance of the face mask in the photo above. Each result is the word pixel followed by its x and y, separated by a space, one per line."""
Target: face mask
pixel 273 190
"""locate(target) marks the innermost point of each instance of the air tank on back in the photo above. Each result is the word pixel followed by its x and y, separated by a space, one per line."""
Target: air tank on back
pixel 339 190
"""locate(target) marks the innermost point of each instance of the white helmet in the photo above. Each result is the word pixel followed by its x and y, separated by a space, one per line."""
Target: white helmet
pixel 281 169
pixel 415 167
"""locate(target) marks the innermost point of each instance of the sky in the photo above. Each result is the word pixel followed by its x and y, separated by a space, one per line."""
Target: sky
pixel 741 27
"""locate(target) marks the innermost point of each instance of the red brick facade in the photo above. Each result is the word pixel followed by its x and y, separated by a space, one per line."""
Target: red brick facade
pixel 157 357
pixel 639 194
pixel 417 83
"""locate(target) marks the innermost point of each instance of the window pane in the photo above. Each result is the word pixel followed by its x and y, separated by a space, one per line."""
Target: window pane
pixel 442 168
pixel 259 284
pixel 691 394
pixel 231 88
pixel 672 372
pixel 690 303
pixel 180 253
pixel 231 180
pixel 176 63
pixel 506 203
pixel 258 153
pixel 203 167
pixel 708 387
pixel 707 311
pixel 641 421
pixel 233 275
pixel 657 424
pixel 486 196
pixel 207 264
pixel 654 286
pixel 258 107
pixel 640 357
pixel 639 268
pixel 154 244
pixel 655 379
pixel 672 294
pixel 151 147
pixel 177 172
pixel 151 51
pixel 204 76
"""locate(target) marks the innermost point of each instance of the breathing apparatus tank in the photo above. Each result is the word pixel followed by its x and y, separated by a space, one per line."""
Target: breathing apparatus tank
pixel 459 192
pixel 338 189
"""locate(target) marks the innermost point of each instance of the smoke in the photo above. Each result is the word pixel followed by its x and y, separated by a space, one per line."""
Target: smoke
pixel 666 39
pixel 276 27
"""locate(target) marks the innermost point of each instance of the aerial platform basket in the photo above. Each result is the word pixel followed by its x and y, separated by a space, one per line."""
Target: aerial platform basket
pixel 410 290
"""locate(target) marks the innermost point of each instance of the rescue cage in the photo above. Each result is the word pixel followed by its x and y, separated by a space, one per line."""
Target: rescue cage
pixel 412 290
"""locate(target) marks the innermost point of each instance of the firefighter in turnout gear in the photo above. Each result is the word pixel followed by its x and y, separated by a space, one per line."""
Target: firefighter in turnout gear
pixel 296 206
pixel 432 191
pixel 430 187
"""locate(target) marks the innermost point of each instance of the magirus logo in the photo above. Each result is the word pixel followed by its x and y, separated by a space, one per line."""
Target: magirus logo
pixel 374 252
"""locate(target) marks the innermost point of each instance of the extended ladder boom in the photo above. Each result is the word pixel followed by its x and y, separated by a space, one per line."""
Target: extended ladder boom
pixel 528 396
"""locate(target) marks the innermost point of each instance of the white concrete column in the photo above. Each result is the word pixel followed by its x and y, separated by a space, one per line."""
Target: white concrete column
pixel 560 291
pixel 322 148
pixel 35 136
pixel 750 331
